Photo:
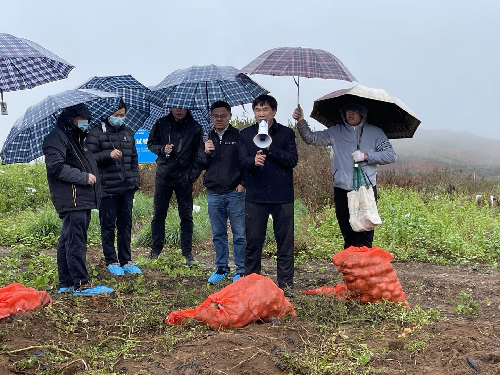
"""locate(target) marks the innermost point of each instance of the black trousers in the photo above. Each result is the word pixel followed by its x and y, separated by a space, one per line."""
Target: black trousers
pixel 72 249
pixel 256 215
pixel 115 212
pixel 351 238
pixel 184 194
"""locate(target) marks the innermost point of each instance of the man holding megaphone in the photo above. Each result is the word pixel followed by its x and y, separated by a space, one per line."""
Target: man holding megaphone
pixel 268 154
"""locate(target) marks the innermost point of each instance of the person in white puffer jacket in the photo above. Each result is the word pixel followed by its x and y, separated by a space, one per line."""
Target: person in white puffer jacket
pixel 353 141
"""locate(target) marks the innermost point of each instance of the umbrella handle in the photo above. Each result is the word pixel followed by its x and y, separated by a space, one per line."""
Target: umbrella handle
pixel 297 82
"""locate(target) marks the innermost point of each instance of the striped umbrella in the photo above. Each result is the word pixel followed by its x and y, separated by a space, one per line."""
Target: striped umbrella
pixel 25 139
pixel 300 62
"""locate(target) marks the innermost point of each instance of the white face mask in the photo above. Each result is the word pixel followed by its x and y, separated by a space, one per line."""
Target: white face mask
pixel 83 125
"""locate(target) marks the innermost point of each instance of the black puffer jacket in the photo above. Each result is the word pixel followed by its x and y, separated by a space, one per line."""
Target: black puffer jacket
pixel 223 172
pixel 186 136
pixel 117 175
pixel 69 162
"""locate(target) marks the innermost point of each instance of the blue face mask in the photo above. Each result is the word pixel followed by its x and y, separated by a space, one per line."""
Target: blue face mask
pixel 116 121
pixel 83 125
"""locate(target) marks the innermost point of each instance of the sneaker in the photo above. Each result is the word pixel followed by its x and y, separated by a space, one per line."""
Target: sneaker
pixel 217 277
pixel 153 255
pixel 131 268
pixel 66 289
pixel 288 292
pixel 190 262
pixel 97 290
pixel 115 269
pixel 237 276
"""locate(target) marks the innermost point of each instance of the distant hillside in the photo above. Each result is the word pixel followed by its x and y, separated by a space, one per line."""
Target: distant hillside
pixel 430 149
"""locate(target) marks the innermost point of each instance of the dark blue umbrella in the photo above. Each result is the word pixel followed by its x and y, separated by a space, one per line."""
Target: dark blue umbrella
pixel 199 86
pixel 25 64
pixel 25 139
pixel 131 90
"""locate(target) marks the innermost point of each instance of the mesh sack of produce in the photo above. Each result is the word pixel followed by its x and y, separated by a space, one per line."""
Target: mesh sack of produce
pixel 247 300
pixel 17 298
pixel 368 273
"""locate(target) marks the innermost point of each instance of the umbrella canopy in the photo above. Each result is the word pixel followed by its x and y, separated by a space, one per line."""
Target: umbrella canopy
pixel 198 87
pixel 25 64
pixel 25 139
pixel 131 90
pixel 300 62
pixel 385 111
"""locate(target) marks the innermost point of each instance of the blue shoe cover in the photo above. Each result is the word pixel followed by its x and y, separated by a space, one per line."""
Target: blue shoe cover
pixel 237 276
pixel 95 291
pixel 131 268
pixel 115 269
pixel 216 278
pixel 66 289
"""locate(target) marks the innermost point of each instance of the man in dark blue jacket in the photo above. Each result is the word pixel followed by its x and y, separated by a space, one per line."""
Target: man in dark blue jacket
pixel 113 147
pixel 75 191
pixel 269 183
pixel 175 140
pixel 223 178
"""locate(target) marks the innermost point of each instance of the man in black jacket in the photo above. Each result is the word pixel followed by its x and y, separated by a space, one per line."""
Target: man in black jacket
pixel 269 183
pixel 223 178
pixel 113 147
pixel 174 139
pixel 75 191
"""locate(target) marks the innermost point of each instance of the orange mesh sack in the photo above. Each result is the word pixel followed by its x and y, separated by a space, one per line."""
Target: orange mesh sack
pixel 16 298
pixel 248 299
pixel 369 274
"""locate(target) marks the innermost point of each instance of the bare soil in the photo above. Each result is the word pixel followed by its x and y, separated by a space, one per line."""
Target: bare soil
pixel 258 348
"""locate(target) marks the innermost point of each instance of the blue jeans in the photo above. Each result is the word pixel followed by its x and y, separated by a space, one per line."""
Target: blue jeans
pixel 220 208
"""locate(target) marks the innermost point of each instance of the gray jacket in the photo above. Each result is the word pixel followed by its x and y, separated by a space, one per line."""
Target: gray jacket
pixel 344 139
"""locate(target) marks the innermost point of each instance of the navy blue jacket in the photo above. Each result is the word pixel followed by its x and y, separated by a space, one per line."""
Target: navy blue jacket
pixel 69 162
pixel 274 182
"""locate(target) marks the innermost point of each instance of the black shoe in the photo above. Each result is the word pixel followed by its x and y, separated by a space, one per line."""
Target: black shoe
pixel 154 255
pixel 190 262
pixel 288 292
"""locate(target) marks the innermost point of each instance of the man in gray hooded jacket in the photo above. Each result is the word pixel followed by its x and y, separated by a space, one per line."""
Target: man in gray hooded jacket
pixel 353 141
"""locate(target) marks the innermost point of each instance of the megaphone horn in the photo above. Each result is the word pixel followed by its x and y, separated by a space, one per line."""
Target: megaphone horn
pixel 262 139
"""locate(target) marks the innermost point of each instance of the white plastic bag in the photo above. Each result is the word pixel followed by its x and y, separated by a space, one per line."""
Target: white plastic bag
pixel 363 213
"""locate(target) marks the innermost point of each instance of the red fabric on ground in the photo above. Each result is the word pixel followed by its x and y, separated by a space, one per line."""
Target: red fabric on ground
pixel 247 300
pixel 16 298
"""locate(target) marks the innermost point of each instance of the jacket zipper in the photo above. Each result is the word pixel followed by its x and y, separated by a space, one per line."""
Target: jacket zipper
pixel 73 187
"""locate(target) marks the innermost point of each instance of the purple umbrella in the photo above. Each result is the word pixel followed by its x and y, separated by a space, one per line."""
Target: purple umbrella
pixel 300 62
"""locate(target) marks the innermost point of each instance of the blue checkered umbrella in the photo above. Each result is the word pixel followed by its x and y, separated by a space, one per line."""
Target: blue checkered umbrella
pixel 131 90
pixel 25 64
pixel 199 86
pixel 24 142
pixel 202 116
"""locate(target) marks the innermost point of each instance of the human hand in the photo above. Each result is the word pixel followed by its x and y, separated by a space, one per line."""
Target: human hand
pixel 168 149
pixel 298 114
pixel 359 156
pixel 240 188
pixel 91 180
pixel 115 154
pixel 259 159
pixel 209 146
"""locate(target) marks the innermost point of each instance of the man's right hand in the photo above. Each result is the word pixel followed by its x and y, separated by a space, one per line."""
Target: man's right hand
pixel 92 179
pixel 209 146
pixel 259 159
pixel 168 148
pixel 298 114
pixel 115 154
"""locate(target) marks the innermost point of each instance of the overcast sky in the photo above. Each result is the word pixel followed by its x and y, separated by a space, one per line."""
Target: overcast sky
pixel 441 58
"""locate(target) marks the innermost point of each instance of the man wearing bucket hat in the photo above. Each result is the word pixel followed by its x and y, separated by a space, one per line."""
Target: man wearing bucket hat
pixel 353 141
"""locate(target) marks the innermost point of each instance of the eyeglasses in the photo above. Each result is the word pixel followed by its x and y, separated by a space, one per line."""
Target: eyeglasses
pixel 222 117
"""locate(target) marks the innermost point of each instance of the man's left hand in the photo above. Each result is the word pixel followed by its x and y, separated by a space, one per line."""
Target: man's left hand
pixel 240 188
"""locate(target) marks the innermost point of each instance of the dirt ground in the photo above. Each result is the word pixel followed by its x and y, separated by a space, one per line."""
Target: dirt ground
pixel 455 343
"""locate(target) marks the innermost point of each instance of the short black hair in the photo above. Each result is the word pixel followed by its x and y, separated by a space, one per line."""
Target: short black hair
pixel 122 105
pixel 220 104
pixel 265 99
